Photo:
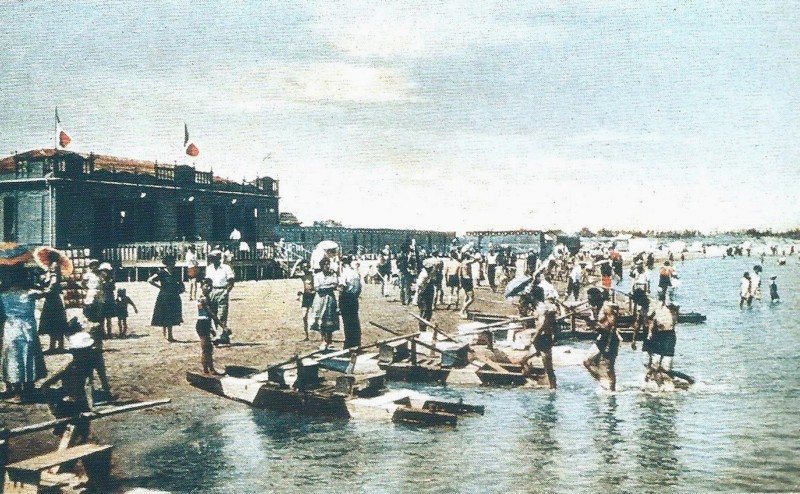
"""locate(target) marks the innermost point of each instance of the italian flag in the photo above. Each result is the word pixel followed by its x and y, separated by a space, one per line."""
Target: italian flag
pixel 191 149
pixel 62 138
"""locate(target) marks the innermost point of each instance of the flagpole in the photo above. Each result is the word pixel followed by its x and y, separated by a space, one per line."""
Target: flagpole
pixel 55 131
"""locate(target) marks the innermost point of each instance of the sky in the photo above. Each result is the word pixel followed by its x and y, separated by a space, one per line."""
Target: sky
pixel 452 116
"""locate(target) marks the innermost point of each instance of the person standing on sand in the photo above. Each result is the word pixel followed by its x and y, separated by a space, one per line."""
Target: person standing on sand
pixel 205 314
pixel 53 319
pixel 491 269
pixel 385 269
pixel 168 308
pixel 543 335
pixel 123 301
pixel 465 278
pixel 325 310
pixel 451 278
pixel 574 281
pixel 108 289
pixel 307 295
pixel 616 264
pixel 426 290
pixel 350 284
pixel 607 342
pixel 223 279
pixel 192 270
pixel 21 356
pixel 745 291
pixel 403 259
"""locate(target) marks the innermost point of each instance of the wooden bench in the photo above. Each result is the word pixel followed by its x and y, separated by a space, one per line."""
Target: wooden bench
pixel 25 477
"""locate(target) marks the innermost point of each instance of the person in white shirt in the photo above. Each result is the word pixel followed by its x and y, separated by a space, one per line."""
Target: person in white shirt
pixel 222 280
pixel 192 270
pixel 574 280
pixel 491 269
pixel 745 290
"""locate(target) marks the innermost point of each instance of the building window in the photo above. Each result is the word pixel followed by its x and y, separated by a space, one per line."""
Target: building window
pixel 9 219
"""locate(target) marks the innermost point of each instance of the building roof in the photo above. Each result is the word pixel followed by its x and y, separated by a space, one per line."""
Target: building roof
pixel 101 162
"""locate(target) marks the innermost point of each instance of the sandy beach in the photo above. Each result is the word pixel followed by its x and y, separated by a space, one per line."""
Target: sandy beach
pixel 266 321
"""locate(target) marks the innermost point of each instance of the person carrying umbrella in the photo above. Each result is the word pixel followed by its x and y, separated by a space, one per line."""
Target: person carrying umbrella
pixel 53 319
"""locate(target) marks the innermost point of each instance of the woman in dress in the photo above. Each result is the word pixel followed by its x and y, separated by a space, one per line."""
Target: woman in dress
pixel 21 358
pixel 53 320
pixel 168 310
pixel 324 309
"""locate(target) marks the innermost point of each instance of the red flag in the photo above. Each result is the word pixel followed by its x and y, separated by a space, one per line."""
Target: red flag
pixel 62 138
pixel 191 149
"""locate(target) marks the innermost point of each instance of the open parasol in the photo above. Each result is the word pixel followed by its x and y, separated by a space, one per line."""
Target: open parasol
pixel 43 255
pixel 517 286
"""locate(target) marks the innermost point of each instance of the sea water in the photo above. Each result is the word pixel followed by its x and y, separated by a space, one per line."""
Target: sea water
pixel 736 429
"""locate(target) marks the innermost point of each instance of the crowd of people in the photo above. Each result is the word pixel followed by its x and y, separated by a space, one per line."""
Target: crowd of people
pixel 329 300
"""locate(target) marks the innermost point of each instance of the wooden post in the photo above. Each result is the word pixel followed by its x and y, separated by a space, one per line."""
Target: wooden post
pixel 413 352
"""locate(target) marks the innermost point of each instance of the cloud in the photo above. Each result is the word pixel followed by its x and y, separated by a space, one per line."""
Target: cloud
pixel 340 82
pixel 405 30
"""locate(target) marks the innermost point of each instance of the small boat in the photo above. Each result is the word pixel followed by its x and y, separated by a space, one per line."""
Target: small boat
pixel 298 388
pixel 452 360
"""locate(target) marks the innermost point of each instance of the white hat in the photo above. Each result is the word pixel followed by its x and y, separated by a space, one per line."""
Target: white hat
pixel 105 266
pixel 80 340
pixel 215 252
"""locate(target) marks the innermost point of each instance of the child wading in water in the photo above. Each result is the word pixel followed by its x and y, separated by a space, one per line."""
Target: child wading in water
pixel 205 315
pixel 123 301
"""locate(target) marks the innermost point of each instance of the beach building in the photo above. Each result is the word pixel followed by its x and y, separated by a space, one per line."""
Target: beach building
pixel 66 199
pixel 541 242
pixel 132 212
pixel 364 240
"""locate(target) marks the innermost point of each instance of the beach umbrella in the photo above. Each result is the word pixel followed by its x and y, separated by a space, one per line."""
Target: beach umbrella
pixel 326 245
pixel 517 286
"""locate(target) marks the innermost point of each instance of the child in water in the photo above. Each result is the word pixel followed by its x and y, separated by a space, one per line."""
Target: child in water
pixel 773 290
pixel 122 302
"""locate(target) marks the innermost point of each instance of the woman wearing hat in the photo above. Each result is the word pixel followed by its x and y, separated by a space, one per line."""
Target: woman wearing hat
pixel 168 309
pixel 53 320
pixel 21 358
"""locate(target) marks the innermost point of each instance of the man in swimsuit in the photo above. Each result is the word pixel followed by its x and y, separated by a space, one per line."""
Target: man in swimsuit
pixel 543 335
pixel 607 342
pixel 661 342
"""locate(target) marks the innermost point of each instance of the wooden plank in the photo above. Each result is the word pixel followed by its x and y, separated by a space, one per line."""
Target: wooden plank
pixel 491 364
pixel 49 460
pixel 96 414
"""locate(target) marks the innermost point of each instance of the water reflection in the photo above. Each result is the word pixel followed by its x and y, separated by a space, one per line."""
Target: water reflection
pixel 658 441
pixel 607 441
pixel 190 465
pixel 542 447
